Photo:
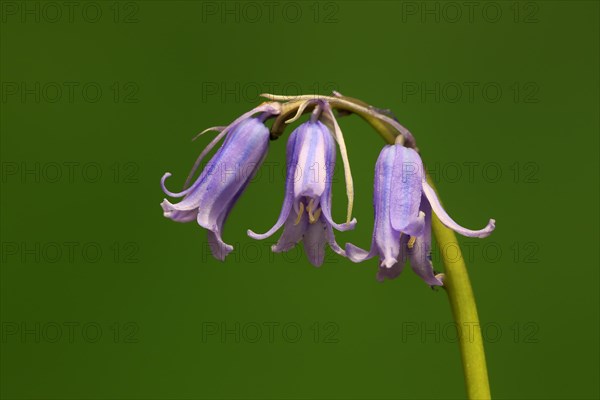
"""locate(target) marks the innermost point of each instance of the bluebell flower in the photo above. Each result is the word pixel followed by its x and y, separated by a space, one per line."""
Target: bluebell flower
pixel 403 203
pixel 214 192
pixel 306 211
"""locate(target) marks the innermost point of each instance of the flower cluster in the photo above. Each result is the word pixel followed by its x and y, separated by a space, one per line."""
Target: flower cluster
pixel 403 200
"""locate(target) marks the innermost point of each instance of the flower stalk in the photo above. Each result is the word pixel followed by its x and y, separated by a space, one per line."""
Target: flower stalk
pixel 456 278
pixel 462 302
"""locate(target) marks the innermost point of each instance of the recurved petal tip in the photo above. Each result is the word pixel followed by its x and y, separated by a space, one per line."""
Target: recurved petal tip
pixel 253 234
pixel 347 226
pixel 167 207
pixel 166 176
pixel 485 232
pixel 356 254
pixel 176 215
pixel 219 249
pixel 489 228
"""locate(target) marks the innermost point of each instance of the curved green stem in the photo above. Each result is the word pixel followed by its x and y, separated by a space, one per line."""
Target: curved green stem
pixel 460 295
pixel 464 309
pixel 456 281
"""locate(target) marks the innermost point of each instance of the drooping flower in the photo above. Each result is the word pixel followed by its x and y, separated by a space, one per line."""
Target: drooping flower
pixel 403 202
pixel 306 211
pixel 212 195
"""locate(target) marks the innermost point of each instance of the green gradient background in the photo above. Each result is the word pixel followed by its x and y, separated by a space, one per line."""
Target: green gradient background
pixel 368 52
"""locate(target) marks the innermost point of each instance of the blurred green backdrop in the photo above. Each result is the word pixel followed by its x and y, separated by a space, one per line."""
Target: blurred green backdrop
pixel 102 297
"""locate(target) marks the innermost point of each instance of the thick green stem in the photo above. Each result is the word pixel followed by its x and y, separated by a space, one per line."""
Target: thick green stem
pixel 456 281
pixel 462 300
pixel 464 309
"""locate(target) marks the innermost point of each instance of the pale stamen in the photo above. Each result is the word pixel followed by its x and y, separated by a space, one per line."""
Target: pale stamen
pixel 299 213
pixel 313 217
